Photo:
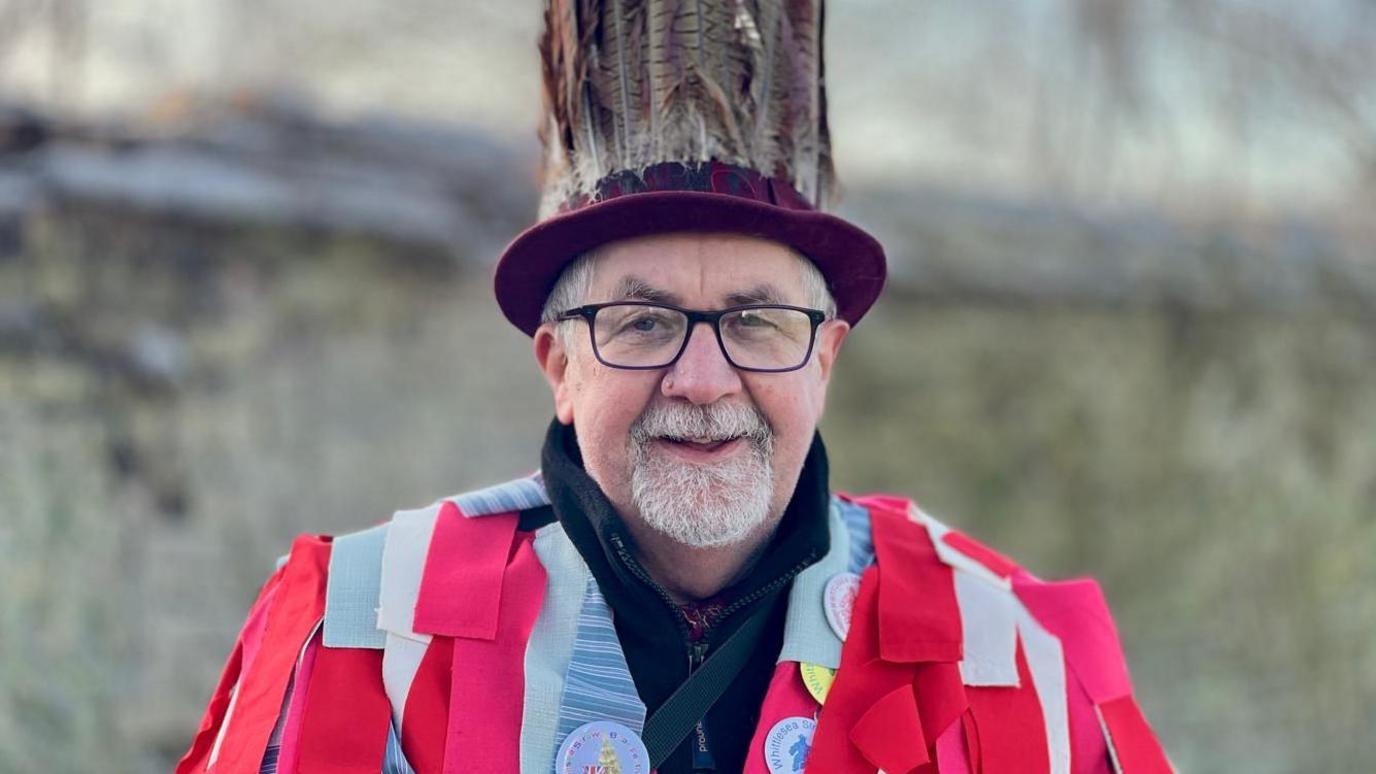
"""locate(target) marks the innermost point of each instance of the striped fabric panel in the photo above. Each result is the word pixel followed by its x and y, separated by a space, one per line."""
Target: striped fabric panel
pixel 519 495
pixel 857 521
pixel 550 648
pixel 269 765
pixel 598 685
pixel 394 760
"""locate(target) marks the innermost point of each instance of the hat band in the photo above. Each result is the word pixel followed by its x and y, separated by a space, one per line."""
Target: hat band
pixel 703 177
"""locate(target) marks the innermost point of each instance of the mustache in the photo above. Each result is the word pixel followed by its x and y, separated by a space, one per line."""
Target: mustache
pixel 712 422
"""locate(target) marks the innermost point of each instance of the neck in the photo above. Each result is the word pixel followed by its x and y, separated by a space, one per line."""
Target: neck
pixel 690 573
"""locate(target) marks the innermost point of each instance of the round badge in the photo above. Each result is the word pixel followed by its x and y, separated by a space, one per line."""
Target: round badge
pixel 602 747
pixel 818 680
pixel 839 600
pixel 788 743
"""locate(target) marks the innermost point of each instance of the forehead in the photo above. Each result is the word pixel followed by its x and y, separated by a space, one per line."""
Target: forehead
pixel 699 268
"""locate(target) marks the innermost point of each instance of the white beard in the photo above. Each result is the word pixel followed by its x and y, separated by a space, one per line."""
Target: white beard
pixel 702 505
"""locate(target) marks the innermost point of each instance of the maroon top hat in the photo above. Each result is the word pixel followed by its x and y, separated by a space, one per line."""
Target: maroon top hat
pixel 660 124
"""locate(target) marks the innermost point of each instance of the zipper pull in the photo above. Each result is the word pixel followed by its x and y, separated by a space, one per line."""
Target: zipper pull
pixel 702 749
pixel 697 653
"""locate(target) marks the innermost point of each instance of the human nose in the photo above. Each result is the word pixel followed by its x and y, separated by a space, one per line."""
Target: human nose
pixel 701 374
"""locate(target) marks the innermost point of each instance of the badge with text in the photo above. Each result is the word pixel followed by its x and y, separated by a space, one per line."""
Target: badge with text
pixel 818 680
pixel 839 600
pixel 602 747
pixel 788 743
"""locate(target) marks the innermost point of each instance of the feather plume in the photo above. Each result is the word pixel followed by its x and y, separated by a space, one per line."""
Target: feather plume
pixel 632 83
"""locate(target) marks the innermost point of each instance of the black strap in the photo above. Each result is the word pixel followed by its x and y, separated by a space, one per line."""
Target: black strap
pixel 676 717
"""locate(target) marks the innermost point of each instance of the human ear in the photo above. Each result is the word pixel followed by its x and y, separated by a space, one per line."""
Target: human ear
pixel 829 339
pixel 554 364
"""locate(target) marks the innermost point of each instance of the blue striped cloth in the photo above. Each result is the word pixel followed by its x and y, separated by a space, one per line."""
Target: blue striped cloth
pixel 857 521
pixel 598 684
pixel 519 495
pixel 393 761
pixel 270 755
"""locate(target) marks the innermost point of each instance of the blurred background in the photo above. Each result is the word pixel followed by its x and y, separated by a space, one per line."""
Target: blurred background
pixel 245 250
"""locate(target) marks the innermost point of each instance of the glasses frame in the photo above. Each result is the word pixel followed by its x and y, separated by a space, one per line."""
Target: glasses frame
pixel 695 316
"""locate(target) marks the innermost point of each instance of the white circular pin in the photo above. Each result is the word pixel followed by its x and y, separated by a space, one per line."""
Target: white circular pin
pixel 602 746
pixel 788 744
pixel 839 601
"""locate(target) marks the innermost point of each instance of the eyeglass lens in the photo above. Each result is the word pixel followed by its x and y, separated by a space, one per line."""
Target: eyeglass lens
pixel 643 336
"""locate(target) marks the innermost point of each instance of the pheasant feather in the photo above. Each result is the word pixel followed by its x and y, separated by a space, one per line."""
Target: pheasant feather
pixel 632 83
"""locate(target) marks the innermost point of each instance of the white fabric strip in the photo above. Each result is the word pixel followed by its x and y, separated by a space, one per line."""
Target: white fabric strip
pixel 220 735
pixel 951 556
pixel 403 562
pixel 1046 662
pixel 989 626
pixel 401 658
pixel 551 644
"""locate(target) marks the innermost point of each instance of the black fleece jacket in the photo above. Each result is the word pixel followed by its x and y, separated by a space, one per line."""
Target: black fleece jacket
pixel 662 639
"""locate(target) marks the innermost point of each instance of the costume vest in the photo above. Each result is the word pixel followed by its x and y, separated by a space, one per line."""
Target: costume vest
pixel 448 641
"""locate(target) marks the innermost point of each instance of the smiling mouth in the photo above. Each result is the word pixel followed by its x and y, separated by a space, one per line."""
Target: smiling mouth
pixel 706 445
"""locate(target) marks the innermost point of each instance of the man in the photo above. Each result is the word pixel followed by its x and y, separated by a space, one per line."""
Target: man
pixel 678 589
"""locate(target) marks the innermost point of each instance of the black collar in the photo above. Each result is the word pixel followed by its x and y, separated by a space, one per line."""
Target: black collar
pixel 606 545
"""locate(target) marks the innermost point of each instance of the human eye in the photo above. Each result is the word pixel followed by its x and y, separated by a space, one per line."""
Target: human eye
pixel 645 322
pixel 754 322
pixel 757 318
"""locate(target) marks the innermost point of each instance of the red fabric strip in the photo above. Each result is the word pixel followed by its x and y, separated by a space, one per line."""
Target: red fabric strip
pixel 298 607
pixel 972 743
pixel 487 680
pixel 1075 611
pixel 941 696
pixel 198 755
pixel 785 698
pixel 194 761
pixel 862 680
pixel 1012 731
pixel 952 754
pixel 347 717
pixel 1088 750
pixel 883 733
pixel 461 587
pixel 919 619
pixel 426 716
pixel 1134 743
pixel 296 707
pixel 992 560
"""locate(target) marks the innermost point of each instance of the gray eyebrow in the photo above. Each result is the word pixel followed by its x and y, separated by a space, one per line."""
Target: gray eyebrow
pixel 633 287
pixel 760 294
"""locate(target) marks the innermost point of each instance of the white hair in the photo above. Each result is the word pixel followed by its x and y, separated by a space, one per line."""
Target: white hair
pixel 575 283
pixel 700 505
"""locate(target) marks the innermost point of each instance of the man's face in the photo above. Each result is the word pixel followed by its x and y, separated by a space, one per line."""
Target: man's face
pixel 627 421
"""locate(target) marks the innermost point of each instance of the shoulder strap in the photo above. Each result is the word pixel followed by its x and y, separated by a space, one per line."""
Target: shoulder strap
pixel 676 717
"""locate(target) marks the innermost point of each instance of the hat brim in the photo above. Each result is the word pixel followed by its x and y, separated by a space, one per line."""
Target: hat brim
pixel 851 260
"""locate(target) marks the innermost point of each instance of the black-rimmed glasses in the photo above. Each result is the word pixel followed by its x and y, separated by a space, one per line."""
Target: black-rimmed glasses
pixel 642 335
